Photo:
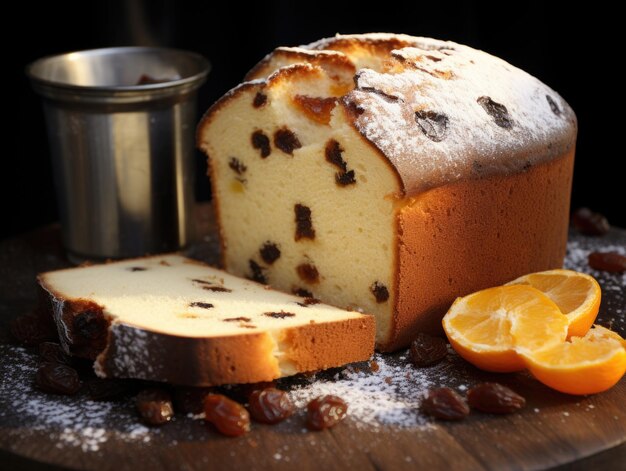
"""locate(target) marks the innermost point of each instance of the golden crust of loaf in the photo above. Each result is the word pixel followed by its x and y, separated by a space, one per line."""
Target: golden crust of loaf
pixel 467 236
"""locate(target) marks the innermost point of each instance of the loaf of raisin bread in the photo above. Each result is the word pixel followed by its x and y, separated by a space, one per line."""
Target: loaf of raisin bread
pixel 170 318
pixel 391 174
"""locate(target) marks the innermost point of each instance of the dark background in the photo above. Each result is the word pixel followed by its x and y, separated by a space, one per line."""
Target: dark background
pixel 553 44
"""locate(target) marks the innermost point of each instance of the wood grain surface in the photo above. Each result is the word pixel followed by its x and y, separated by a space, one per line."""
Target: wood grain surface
pixel 554 429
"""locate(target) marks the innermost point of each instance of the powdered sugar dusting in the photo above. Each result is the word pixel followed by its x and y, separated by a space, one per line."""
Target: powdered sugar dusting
pixel 448 79
pixel 382 394
pixel 71 421
pixel 389 396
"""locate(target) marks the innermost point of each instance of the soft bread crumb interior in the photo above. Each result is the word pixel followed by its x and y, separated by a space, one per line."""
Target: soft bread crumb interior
pixel 174 295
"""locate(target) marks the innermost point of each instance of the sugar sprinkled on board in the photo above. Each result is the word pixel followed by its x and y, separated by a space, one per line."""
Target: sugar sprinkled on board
pixel 385 392
pixel 71 421
pixel 391 395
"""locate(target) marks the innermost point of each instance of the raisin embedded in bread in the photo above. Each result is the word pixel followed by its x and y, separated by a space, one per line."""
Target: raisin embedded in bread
pixel 170 318
pixel 391 173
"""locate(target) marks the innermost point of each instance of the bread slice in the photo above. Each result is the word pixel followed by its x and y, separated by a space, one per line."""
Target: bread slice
pixel 390 173
pixel 170 318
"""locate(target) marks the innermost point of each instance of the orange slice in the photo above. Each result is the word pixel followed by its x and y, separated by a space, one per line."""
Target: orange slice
pixel 489 328
pixel 577 295
pixel 583 365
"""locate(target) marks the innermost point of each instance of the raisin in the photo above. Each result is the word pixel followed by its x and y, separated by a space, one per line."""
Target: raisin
pixel 133 269
pixel 107 389
pixel 304 223
pixel 154 406
pixel 590 223
pixel 28 329
pixel 427 350
pixel 434 125
pixel 497 111
pixel 308 302
pixel 237 166
pixel 307 272
pixel 553 106
pixel 90 325
pixel 345 178
pixel 286 141
pixel 494 398
pixel 279 314
pixel 190 400
pixel 217 289
pixel 57 378
pixel 259 100
pixel 269 252
pixel 325 412
pixel 380 292
pixel 316 108
pixel 229 417
pixel 304 293
pixel 237 319
pixel 334 156
pixel 611 262
pixel 333 153
pixel 387 96
pixel 261 142
pixel 270 405
pixel 201 304
pixel 52 352
pixel 446 404
pixel 257 272
pixel 210 286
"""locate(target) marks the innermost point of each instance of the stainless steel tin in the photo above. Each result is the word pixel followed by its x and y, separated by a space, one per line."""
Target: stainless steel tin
pixel 122 152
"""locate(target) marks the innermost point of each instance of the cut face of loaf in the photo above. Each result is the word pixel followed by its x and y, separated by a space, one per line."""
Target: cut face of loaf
pixel 389 174
pixel 170 318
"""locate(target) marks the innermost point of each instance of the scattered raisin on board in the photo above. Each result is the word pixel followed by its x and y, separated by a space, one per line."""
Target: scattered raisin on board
pixel 494 398
pixel 154 406
pixel 52 352
pixel 325 412
pixel 427 350
pixel 57 378
pixel 611 262
pixel 270 405
pixel 229 417
pixel 445 404
pixel 590 223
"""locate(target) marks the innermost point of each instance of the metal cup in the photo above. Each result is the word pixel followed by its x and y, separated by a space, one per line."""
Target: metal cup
pixel 121 130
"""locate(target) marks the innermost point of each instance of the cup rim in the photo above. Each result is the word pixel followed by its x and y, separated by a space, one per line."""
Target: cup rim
pixel 202 63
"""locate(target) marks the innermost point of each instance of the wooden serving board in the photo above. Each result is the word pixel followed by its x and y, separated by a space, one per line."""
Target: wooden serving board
pixel 552 430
